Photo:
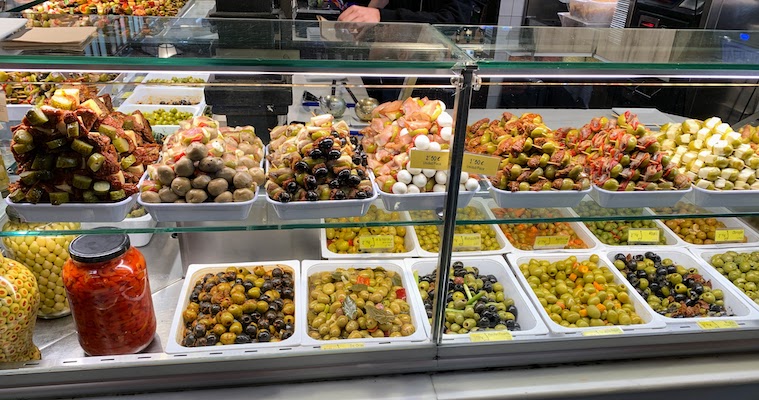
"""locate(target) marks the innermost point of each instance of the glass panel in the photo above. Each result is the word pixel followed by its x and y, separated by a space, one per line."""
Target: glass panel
pixel 599 49
pixel 204 43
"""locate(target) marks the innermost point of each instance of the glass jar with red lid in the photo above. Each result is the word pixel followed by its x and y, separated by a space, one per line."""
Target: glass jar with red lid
pixel 107 285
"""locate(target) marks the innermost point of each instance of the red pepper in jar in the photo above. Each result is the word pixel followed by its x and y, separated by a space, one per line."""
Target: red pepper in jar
pixel 107 284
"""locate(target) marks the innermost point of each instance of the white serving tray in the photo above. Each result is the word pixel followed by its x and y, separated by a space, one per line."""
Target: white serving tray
pixel 196 272
pixel 411 243
pixel 542 199
pixel 579 228
pixel 531 325
pixel 169 75
pixel 704 256
pixel 730 223
pixel 207 211
pixel 671 238
pixel 734 303
pixel 144 95
pixel 502 241
pixel 163 130
pixel 422 201
pixel 78 212
pixel 724 198
pixel 652 198
pixel 416 309
pixel 651 320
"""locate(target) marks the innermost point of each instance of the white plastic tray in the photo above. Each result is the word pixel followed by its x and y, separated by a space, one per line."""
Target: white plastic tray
pixel 502 241
pixel 422 201
pixel 734 304
pixel 416 308
pixel 136 239
pixel 704 256
pixel 653 198
pixel 581 231
pixel 724 198
pixel 543 199
pixel 730 223
pixel 651 320
pixel 322 208
pixel 411 243
pixel 196 272
pixel 671 238
pixel 78 212
pixel 208 211
pixel 531 326
pixel 163 130
pixel 144 95
pixel 169 75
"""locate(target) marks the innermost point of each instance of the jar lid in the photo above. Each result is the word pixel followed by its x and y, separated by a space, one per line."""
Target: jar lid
pixel 98 248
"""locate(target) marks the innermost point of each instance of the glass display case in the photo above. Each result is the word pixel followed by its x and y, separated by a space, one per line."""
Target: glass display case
pixel 570 190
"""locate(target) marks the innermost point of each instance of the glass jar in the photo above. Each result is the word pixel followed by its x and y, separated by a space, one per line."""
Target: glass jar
pixel 45 256
pixel 19 299
pixel 107 284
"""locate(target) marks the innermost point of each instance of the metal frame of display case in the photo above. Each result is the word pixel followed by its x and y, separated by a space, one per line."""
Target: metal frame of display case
pixel 160 371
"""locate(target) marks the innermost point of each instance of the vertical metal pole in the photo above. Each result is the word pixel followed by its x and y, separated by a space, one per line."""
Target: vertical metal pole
pixel 464 99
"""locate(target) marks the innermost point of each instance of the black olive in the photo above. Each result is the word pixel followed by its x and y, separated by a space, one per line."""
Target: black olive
pixel 274 307
pixel 266 286
pixel 270 315
pixel 632 264
pixel 255 315
pixel 354 181
pixel 715 308
pixel 698 288
pixel 264 297
pixel 326 144
pixel 287 293
pixel 310 182
pixel 356 159
pixel 238 281
pixel 286 335
pixel 512 309
pixel 316 153
pixel 205 307
pixel 200 330
pixel 276 282
pixel 691 302
pixel 654 286
pixel 661 271
pixel 511 325
pixel 492 279
pixel 264 336
pixel 688 282
pixel 194 297
pixel 672 269
pixel 208 286
pixel 638 257
pixel 284 197
pixel 631 276
pixel 361 195
pixel 649 255
pixel 246 320
pixel 343 142
pixel 202 341
pixel 641 274
pixel 339 195
pixel 483 323
pixel 247 285
pixel 242 339
pixel 312 196
pixel 301 166
pixel 189 340
pixel 211 339
pixel 263 324
pixel 291 187
pixel 279 324
pixel 215 309
pixel 334 154
pixel 620 256
pixel 251 330
pixel 320 172
pixel 343 175
pixel 361 173
pixel 448 298
pixel 680 297
pixel 487 286
pixel 479 307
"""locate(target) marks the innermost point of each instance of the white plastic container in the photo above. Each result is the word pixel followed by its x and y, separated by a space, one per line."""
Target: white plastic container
pixel 704 256
pixel 79 212
pixel 16 112
pixel 416 309
pixel 579 228
pixel 651 320
pixel 162 130
pixel 136 239
pixel 730 223
pixel 195 272
pixel 422 201
pixel 209 211
pixel 502 241
pixel 531 326
pixel 542 199
pixel 653 198
pixel 168 75
pixel 144 95
pixel 724 198
pixel 670 237
pixel 411 243
pixel 593 11
pixel 734 304
pixel 323 208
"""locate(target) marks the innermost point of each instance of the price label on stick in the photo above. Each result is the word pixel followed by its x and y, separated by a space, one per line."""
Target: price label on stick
pixel 727 235
pixel 550 242
pixel 643 236
pixel 467 241
pixel 479 164
pixel 424 159
pixel 490 336
pixel 376 242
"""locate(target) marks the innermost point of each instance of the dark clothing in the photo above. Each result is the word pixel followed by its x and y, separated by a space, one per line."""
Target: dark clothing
pixel 428 11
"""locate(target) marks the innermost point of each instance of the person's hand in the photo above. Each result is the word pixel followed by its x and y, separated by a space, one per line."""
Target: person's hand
pixel 360 14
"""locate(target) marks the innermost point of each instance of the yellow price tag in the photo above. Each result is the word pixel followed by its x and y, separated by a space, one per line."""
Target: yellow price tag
pixel 341 346
pixel 644 236
pixel 126 95
pixel 429 159
pixel 479 164
pixel 550 242
pixel 719 324
pixel 3 107
pixel 467 241
pixel 723 235
pixel 491 336
pixel 376 242
pixel 614 330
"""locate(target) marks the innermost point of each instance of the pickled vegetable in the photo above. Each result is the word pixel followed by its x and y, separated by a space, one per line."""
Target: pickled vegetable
pixel 580 293
pixel 523 235
pixel 358 303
